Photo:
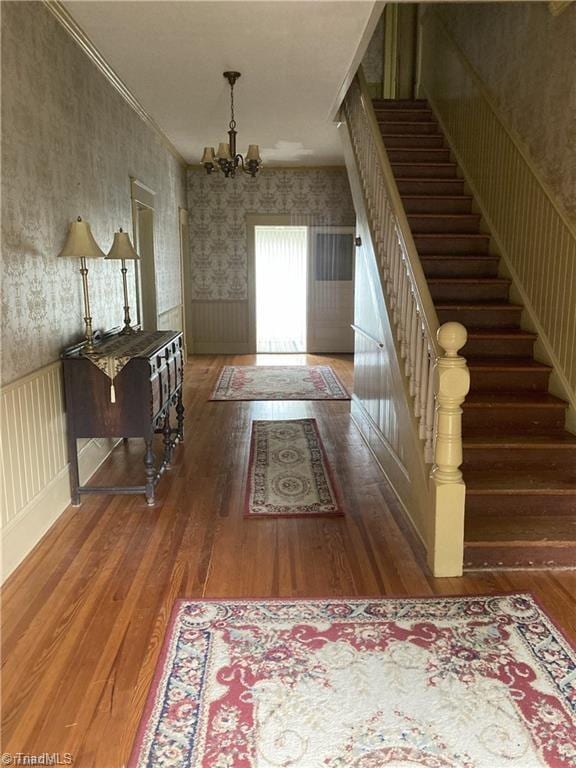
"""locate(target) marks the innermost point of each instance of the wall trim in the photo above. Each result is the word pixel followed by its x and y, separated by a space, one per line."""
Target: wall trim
pixel 59 11
pixel 25 531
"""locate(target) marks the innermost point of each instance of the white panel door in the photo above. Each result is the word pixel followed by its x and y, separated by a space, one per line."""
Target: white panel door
pixel 330 289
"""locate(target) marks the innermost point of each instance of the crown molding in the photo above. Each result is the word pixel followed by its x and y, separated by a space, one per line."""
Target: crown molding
pixel 67 21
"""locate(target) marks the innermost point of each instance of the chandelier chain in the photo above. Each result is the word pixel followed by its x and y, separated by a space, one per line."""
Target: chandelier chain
pixel 232 121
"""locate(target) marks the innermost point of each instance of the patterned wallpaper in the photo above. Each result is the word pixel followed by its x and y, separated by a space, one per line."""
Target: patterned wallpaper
pixel 69 146
pixel 526 58
pixel 218 208
pixel 373 61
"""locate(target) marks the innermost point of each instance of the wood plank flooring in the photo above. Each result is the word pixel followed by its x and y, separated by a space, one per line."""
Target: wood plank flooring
pixel 84 615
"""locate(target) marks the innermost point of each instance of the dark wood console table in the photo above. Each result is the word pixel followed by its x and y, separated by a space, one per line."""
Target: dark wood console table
pixel 127 388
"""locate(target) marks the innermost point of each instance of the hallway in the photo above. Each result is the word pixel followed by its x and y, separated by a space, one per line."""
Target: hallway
pixel 84 616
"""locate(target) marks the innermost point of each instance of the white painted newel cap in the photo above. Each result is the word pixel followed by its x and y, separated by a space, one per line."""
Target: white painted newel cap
pixel 452 337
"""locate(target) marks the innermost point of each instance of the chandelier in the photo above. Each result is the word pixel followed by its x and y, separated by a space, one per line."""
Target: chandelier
pixel 227 159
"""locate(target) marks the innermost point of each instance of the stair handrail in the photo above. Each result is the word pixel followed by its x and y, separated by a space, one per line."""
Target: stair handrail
pixel 406 291
pixel 420 284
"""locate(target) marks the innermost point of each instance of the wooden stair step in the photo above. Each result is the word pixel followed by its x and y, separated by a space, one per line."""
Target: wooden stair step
pixel 448 204
pixel 407 141
pixel 400 103
pixel 507 374
pixel 454 242
pixel 441 223
pixel 518 452
pixel 409 115
pixel 451 265
pixel 431 170
pixel 480 315
pixel 407 127
pixel 469 288
pixel 498 342
pixel 493 554
pixel 529 413
pixel 418 154
pixel 422 187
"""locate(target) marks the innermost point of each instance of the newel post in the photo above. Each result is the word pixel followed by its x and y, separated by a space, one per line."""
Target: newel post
pixel 451 385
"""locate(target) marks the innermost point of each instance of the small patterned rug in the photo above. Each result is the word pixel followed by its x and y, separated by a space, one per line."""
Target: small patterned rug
pixel 468 682
pixel 288 472
pixel 279 382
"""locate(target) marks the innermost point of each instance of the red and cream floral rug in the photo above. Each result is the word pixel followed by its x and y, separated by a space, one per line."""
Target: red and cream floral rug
pixel 470 682
pixel 279 382
pixel 288 472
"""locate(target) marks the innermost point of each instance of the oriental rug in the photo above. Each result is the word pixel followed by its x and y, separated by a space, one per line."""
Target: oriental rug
pixel 279 382
pixel 288 472
pixel 467 682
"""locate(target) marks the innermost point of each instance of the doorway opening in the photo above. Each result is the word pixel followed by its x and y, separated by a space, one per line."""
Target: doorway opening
pixel 281 261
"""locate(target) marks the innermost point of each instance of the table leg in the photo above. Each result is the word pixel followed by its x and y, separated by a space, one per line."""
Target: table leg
pixel 180 415
pixel 149 471
pixel 74 475
pixel 167 432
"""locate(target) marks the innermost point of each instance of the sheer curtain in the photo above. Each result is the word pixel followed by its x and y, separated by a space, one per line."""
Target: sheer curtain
pixel 281 289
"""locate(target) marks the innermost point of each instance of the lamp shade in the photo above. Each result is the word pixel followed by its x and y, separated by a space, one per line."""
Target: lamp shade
pixel 208 156
pixel 80 242
pixel 122 247
pixel 223 152
pixel 253 153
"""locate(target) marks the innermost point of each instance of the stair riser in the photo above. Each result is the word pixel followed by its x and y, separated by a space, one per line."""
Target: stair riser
pixel 474 318
pixel 487 506
pixel 432 187
pixel 500 420
pixel 437 205
pixel 404 115
pixel 460 266
pixel 408 129
pixel 469 292
pixel 513 459
pixel 493 556
pixel 445 245
pixel 419 155
pixel 498 347
pixel 508 381
pixel 445 223
pixel 400 104
pixel 423 171
pixel 417 142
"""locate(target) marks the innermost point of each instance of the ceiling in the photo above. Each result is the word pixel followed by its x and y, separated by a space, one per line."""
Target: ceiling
pixel 294 56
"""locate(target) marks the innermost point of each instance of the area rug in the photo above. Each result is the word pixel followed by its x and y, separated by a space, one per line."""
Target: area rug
pixel 288 472
pixel 470 682
pixel 279 382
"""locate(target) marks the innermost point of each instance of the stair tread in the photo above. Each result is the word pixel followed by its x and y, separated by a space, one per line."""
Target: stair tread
pixel 564 440
pixel 438 197
pixel 477 305
pixel 540 480
pixel 443 215
pixel 516 399
pixel 454 235
pixel 472 280
pixel 500 333
pixel 506 363
pixel 463 256
pixel 401 163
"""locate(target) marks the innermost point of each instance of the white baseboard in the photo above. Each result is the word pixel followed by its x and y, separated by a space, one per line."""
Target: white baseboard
pixel 33 521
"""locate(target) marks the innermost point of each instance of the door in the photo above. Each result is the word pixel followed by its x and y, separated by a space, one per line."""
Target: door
pixel 330 289
pixel 281 291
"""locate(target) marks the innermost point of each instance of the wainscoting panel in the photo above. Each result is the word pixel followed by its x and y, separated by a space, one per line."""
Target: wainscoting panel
pixel 533 234
pixel 34 461
pixel 219 327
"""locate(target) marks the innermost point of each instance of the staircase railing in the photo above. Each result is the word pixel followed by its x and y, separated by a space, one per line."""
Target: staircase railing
pixel 436 380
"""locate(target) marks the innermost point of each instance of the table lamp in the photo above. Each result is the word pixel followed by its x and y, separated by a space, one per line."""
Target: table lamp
pixel 80 244
pixel 122 249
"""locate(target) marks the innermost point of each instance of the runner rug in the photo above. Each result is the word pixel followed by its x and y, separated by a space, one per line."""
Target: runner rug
pixel 472 682
pixel 279 382
pixel 288 472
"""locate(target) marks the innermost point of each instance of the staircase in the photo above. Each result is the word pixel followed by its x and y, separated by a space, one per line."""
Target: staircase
pixel 519 461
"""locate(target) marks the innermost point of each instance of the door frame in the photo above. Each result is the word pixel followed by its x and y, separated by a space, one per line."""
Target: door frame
pixel 143 198
pixel 253 221
pixel 185 277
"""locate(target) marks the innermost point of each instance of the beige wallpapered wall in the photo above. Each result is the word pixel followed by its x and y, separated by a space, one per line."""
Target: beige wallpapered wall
pixel 218 208
pixel 373 60
pixel 69 145
pixel 526 58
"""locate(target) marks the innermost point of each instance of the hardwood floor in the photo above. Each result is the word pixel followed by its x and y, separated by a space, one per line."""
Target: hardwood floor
pixel 84 616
